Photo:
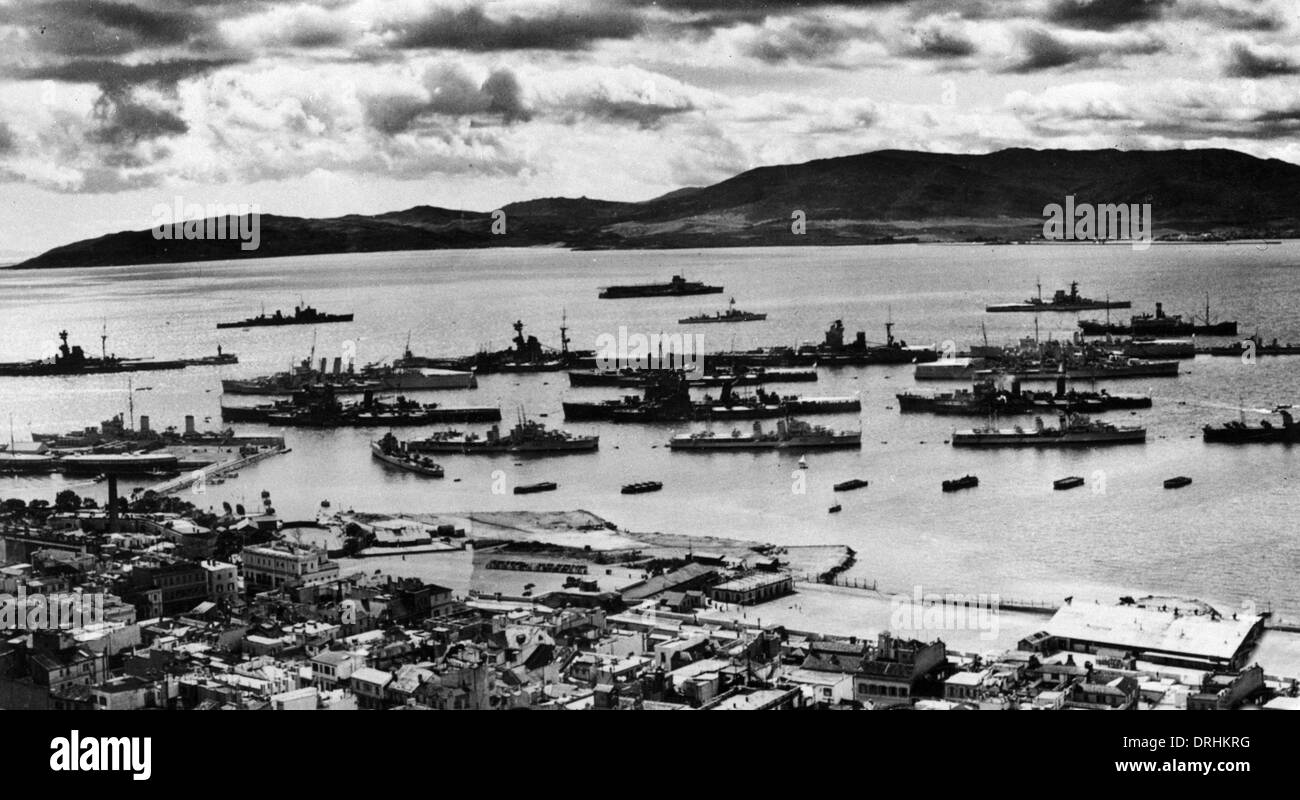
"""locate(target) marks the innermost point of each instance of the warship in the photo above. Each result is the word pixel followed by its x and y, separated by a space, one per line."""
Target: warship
pixel 1238 432
pixel 1254 346
pixel 1075 430
pixel 789 433
pixel 371 377
pixel 985 397
pixel 667 399
pixel 319 408
pixel 527 355
pixel 527 437
pixel 677 287
pixel 1061 301
pixel 638 378
pixel 302 315
pixel 72 360
pixel 834 352
pixel 392 452
pixel 731 314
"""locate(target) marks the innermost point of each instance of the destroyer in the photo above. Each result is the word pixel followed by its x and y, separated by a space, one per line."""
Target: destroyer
pixel 731 314
pixel 302 315
pixel 789 433
pixel 1061 301
pixel 1076 430
pixel 986 398
pixel 677 287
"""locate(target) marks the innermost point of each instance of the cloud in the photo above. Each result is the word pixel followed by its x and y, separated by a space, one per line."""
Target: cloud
pixel 122 121
pixel 796 39
pixel 100 28
pixel 448 90
pixel 8 144
pixel 1105 15
pixel 115 73
pixel 1245 61
pixel 939 39
pixel 1044 50
pixel 471 29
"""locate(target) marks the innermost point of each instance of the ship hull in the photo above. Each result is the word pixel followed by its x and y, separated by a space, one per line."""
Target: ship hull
pixel 664 290
pixel 1097 305
pixel 406 464
pixel 270 322
pixel 751 443
pixel 1031 439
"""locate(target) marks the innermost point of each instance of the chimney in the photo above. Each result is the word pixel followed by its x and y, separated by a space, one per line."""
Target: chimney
pixel 323 362
pixel 338 364
pixel 189 424
pixel 144 424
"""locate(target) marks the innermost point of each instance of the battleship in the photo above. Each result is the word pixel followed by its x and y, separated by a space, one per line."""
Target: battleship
pixel 667 399
pixel 834 352
pixel 302 315
pixel 72 360
pixel 1061 301
pixel 731 314
pixel 985 398
pixel 115 433
pixel 527 437
pixel 527 355
pixel 1160 324
pixel 789 433
pixel 638 378
pixel 392 452
pixel 1075 430
pixel 372 377
pixel 319 408
pixel 677 287
pixel 1238 432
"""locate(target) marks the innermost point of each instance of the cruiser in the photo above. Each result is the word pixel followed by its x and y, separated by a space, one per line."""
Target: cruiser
pixel 527 355
pixel 1076 430
pixel 527 437
pixel 390 451
pixel 1061 301
pixel 1254 346
pixel 638 378
pixel 318 408
pixel 731 314
pixel 667 399
pixel 790 433
pixel 302 315
pixel 677 287
pixel 372 377
pixel 986 398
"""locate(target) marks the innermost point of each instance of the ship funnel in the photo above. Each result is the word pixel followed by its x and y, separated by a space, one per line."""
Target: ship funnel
pixel 338 364
pixel 323 363
pixel 144 424
pixel 1060 386
pixel 1160 310
pixel 189 424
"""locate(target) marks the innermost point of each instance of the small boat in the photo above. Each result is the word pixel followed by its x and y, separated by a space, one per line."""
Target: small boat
pixel 965 482
pixel 642 487
pixel 1177 483
pixel 850 485
pixel 1071 482
pixel 835 509
pixel 532 488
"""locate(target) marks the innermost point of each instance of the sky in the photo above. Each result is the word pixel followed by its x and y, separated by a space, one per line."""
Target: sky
pixel 318 108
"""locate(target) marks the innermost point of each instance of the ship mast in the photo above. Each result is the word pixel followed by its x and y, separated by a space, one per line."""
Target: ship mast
pixel 103 340
pixel 130 404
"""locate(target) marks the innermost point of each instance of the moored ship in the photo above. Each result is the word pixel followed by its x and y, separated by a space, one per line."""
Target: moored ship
pixel 1061 301
pixel 730 314
pixel 1238 432
pixel 72 360
pixel 527 437
pixel 319 408
pixel 1254 346
pixel 667 399
pixel 833 351
pixel 302 315
pixel 527 355
pixel 638 378
pixel 986 398
pixel 394 453
pixel 372 377
pixel 1160 324
pixel 1075 430
pixel 677 287
pixel 789 433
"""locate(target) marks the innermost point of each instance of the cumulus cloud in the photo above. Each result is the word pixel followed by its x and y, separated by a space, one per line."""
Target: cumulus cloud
pixel 1245 61
pixel 471 28
pixel 1105 15
pixel 1041 49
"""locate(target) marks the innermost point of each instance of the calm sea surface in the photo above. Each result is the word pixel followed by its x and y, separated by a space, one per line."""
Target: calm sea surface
pixel 1231 536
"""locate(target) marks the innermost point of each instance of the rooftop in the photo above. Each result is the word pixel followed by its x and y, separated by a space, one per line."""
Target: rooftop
pixel 1136 628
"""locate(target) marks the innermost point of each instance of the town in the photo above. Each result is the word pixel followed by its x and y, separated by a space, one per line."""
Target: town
pixel 239 610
